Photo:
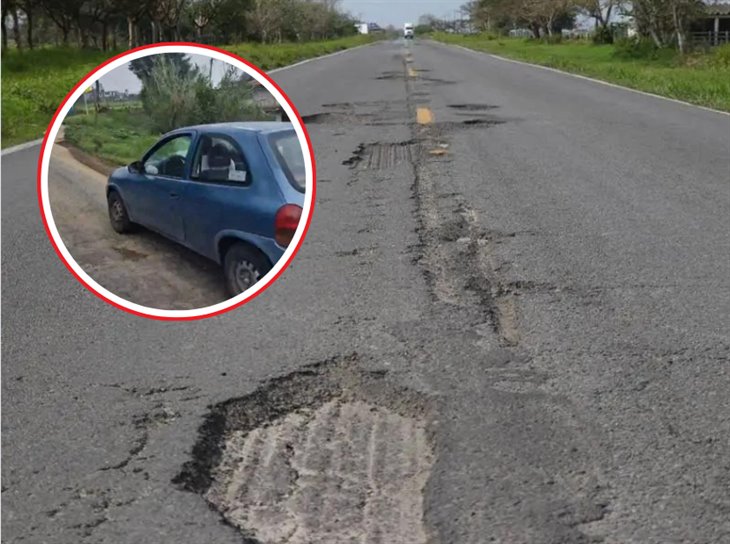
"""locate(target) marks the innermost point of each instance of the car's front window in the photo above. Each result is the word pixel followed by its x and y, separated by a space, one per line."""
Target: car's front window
pixel 169 159
pixel 288 153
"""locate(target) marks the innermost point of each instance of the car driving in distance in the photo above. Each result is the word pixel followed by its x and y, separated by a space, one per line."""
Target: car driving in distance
pixel 408 31
pixel 232 192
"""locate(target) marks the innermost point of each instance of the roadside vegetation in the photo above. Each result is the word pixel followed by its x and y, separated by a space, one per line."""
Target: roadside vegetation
pixel 116 137
pixel 49 45
pixel 35 82
pixel 175 93
pixel 33 85
pixel 658 46
pixel 700 78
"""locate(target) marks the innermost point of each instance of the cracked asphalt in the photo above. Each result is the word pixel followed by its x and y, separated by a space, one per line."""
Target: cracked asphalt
pixel 545 260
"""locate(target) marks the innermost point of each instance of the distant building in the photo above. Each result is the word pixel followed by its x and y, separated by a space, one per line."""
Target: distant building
pixel 713 28
pixel 111 96
pixel 118 96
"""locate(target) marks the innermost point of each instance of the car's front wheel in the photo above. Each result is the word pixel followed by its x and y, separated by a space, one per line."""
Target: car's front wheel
pixel 243 266
pixel 118 213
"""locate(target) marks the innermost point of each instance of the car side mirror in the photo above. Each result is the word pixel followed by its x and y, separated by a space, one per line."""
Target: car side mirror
pixel 135 167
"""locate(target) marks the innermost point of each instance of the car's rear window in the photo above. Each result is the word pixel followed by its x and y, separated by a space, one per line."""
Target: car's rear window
pixel 291 159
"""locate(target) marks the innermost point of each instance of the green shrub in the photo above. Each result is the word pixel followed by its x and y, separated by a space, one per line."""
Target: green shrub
pixel 232 100
pixel 721 56
pixel 555 39
pixel 169 94
pixel 603 36
pixel 174 97
pixel 635 48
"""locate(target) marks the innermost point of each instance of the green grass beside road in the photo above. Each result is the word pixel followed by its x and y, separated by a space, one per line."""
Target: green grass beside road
pixel 702 79
pixel 35 82
pixel 117 137
pixel 269 57
pixel 33 85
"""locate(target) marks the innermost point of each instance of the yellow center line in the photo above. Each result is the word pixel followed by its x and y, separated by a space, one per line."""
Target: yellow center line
pixel 424 116
pixel 412 72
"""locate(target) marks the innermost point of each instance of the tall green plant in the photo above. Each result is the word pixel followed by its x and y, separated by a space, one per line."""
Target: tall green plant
pixel 169 95
pixel 173 98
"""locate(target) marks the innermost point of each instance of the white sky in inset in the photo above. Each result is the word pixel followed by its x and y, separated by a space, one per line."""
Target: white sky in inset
pixel 121 79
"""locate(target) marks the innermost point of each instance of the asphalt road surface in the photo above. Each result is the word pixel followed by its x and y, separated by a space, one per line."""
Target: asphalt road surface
pixel 509 323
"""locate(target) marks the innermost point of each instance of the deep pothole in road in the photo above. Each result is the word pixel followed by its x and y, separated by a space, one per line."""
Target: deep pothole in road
pixel 329 117
pixel 351 118
pixel 473 107
pixel 484 121
pixel 328 454
pixel 400 75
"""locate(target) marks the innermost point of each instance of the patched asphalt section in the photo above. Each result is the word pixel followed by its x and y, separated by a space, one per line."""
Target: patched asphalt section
pixel 327 454
pixel 383 155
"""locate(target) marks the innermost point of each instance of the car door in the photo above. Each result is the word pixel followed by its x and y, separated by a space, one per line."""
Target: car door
pixel 229 192
pixel 156 200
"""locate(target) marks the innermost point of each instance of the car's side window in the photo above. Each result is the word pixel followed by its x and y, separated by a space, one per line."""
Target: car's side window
pixel 219 159
pixel 169 159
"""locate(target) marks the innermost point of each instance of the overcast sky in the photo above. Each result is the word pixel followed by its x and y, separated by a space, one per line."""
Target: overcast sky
pixel 122 78
pixel 397 12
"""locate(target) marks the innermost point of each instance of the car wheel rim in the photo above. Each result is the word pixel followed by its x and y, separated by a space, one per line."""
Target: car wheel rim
pixel 117 210
pixel 245 275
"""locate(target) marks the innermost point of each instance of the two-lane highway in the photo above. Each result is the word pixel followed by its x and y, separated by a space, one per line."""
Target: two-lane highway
pixel 516 289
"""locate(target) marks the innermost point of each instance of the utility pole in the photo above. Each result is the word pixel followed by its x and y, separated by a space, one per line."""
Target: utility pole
pixel 97 96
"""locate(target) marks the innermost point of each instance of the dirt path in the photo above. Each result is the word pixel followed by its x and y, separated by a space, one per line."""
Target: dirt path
pixel 142 267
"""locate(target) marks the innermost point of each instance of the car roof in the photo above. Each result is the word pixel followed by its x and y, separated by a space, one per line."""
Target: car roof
pixel 264 127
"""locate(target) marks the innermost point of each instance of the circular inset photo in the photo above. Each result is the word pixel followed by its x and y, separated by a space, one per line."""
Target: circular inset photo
pixel 176 181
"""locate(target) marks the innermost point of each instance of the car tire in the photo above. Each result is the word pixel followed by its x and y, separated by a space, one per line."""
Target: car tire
pixel 118 216
pixel 243 266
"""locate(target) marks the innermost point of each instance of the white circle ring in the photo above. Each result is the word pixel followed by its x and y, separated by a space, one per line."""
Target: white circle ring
pixel 121 60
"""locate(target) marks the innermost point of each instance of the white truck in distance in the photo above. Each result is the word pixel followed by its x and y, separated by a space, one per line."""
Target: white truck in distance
pixel 408 31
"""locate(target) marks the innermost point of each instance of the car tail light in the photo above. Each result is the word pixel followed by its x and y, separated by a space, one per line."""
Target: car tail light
pixel 285 223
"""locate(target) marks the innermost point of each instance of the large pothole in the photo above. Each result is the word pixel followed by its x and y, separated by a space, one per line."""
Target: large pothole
pixel 328 455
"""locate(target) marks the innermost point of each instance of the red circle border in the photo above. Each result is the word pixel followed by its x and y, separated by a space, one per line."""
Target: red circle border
pixel 246 299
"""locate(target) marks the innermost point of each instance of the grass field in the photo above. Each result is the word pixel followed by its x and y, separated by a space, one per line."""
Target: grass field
pixel 702 79
pixel 117 137
pixel 35 82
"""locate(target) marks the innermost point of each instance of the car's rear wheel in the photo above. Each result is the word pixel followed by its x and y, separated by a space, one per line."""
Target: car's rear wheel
pixel 243 266
pixel 118 216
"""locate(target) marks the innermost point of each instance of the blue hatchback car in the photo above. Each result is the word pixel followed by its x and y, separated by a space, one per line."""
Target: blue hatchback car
pixel 232 192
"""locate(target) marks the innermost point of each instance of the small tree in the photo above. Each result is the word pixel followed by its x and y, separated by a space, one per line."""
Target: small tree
pixel 176 93
pixel 169 93
pixel 665 21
